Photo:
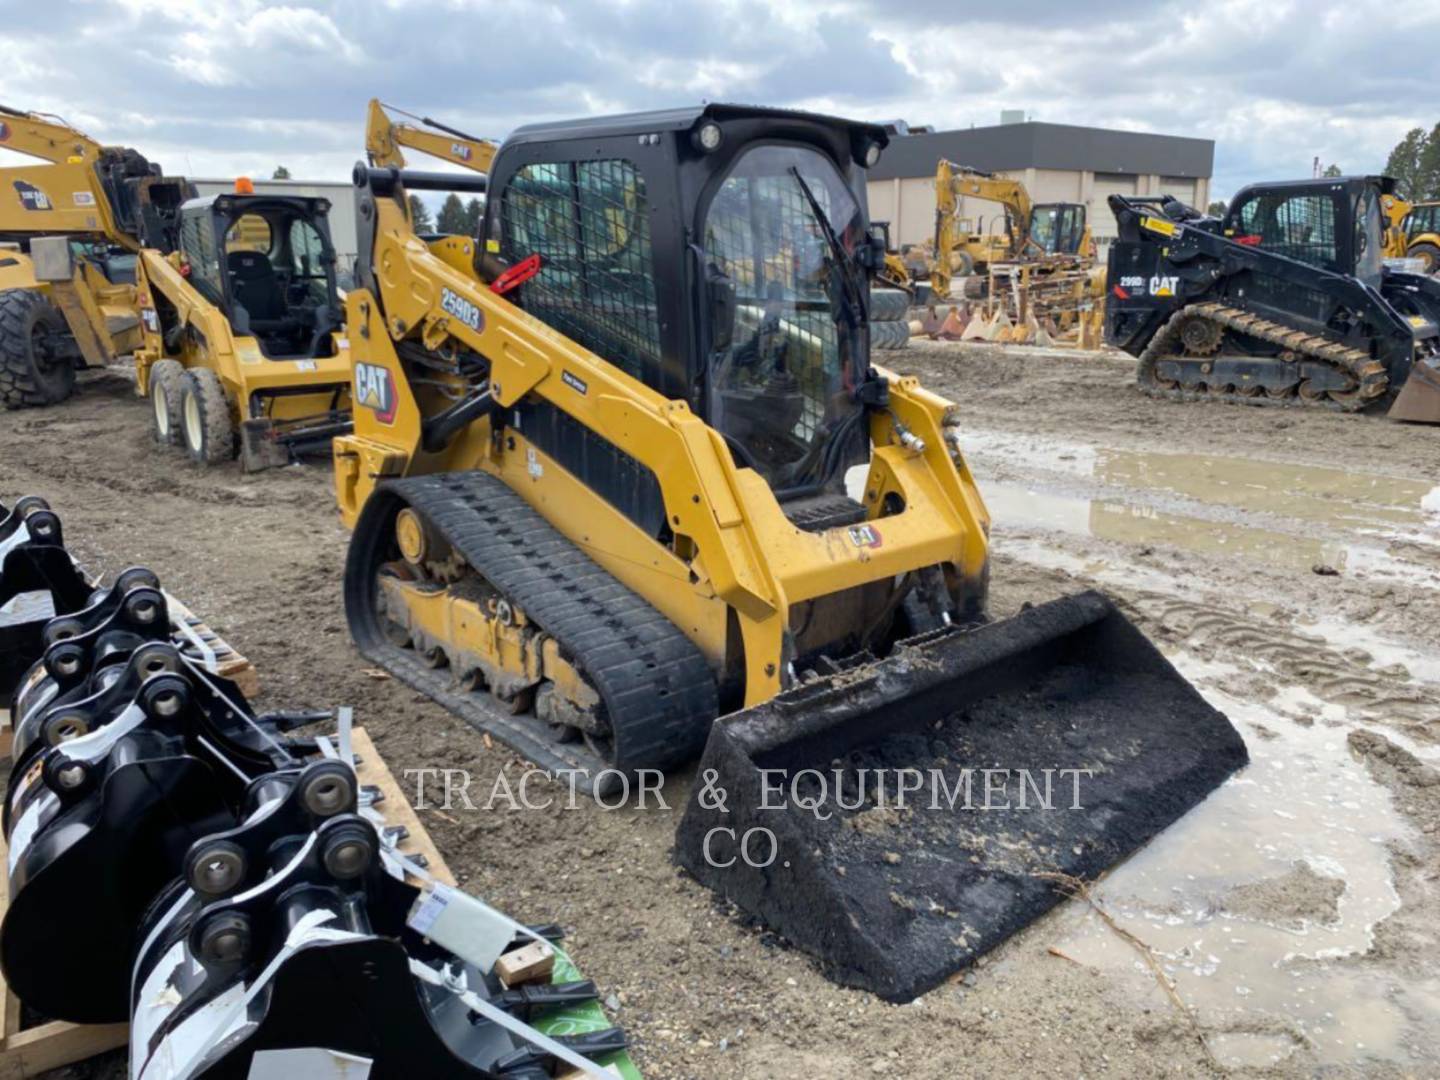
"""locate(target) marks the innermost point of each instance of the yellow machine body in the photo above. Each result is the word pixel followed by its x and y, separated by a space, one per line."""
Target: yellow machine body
pixel 736 555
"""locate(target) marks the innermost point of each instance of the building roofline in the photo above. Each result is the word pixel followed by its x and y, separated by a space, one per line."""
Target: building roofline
pixel 1043 145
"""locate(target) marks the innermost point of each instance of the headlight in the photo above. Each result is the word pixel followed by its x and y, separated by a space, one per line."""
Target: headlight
pixel 872 155
pixel 707 137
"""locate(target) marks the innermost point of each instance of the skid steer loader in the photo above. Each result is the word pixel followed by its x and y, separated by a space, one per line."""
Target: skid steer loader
pixel 244 346
pixel 1286 301
pixel 598 493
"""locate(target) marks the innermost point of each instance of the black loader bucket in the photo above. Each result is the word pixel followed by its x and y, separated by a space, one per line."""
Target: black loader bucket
pixel 1419 398
pixel 899 819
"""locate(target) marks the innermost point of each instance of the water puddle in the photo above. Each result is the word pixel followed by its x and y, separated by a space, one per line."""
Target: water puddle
pixel 1365 502
pixel 1014 506
pixel 1251 899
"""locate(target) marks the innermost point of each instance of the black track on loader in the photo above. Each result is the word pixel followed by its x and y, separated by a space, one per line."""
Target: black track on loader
pixel 893 895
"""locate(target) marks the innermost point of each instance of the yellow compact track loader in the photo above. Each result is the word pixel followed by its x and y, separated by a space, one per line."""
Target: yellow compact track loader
pixel 625 486
pixel 244 344
pixel 67 256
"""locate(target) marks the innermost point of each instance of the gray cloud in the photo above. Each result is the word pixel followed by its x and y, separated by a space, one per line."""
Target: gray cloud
pixel 247 85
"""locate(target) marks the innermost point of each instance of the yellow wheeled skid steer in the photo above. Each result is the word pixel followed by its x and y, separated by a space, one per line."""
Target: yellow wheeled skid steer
pixel 244 346
pixel 627 470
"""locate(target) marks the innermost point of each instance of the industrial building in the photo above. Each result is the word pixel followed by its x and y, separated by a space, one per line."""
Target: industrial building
pixel 1057 162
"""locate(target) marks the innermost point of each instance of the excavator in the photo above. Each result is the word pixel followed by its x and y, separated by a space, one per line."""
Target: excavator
pixel 626 487
pixel 1287 300
pixel 67 256
pixel 1052 233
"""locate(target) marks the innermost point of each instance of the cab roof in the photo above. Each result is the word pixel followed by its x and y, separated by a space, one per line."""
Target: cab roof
pixel 682 119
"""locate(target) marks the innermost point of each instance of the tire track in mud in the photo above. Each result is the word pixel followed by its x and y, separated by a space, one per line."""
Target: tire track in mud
pixel 1348 678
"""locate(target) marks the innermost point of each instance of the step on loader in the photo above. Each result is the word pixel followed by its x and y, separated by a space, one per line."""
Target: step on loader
pixel 598 494
pixel 1286 301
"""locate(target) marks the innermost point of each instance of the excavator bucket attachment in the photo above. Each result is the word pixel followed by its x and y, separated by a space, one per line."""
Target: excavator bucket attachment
pixel 1419 398
pixel 900 818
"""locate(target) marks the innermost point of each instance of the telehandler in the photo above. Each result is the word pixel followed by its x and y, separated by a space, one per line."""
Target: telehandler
pixel 1285 301
pixel 67 256
pixel 626 468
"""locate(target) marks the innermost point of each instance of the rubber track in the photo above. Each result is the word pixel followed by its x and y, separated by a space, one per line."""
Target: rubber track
pixel 1369 374
pixel 657 688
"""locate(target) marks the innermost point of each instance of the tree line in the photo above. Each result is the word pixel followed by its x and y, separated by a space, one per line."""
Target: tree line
pixel 456 218
pixel 1415 163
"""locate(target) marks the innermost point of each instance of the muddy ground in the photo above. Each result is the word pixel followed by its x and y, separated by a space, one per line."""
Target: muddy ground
pixel 1289 564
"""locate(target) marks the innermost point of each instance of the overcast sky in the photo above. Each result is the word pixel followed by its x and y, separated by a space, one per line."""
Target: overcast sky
pixel 211 88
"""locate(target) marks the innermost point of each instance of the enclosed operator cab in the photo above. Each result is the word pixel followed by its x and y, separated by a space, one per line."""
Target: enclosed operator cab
pixel 268 263
pixel 771 345
pixel 1058 228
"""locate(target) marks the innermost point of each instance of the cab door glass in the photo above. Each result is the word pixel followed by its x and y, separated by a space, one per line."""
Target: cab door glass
pixel 1369 237
pixel 202 253
pixel 305 260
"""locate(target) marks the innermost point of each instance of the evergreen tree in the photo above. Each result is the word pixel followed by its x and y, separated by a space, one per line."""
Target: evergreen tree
pixel 1404 163
pixel 420 216
pixel 1428 167
pixel 452 216
pixel 1332 170
pixel 280 173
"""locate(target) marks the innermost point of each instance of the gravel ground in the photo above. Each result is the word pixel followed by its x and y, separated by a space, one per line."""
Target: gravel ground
pixel 1330 676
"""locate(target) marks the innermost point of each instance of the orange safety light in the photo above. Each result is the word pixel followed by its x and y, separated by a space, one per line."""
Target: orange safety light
pixel 244 186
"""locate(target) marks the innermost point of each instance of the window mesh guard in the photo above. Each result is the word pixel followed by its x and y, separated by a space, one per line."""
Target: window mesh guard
pixel 1299 227
pixel 589 222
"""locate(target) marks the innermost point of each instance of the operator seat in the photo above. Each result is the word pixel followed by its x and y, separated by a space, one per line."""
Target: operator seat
pixel 255 286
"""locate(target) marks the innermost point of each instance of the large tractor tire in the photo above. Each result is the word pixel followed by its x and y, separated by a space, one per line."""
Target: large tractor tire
pixel 894 334
pixel 208 433
pixel 167 380
pixel 888 305
pixel 33 371
pixel 1429 254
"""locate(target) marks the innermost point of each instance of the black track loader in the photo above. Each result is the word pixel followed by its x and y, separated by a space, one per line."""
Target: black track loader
pixel 1286 301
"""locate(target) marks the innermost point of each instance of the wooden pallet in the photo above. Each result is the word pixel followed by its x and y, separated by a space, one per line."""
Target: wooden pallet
pixel 32 1051
pixel 236 668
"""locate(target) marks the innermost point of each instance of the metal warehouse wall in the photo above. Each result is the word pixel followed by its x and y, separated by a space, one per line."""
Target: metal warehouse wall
pixel 1057 162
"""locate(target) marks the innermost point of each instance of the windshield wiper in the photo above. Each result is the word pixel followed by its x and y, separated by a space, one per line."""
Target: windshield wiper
pixel 855 311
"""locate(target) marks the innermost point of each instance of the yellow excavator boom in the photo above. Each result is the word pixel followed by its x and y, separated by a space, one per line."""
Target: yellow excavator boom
pixel 66 194
pixel 384 139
